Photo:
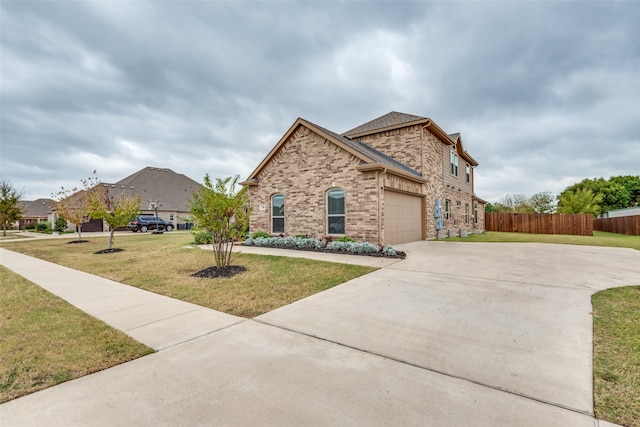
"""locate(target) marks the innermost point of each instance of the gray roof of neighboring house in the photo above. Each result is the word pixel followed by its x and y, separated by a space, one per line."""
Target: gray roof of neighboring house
pixel 388 120
pixel 368 151
pixel 169 189
pixel 38 208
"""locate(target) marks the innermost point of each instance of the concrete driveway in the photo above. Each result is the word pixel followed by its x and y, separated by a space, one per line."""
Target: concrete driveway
pixel 456 334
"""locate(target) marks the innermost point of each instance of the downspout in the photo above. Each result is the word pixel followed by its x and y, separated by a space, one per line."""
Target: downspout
pixel 380 190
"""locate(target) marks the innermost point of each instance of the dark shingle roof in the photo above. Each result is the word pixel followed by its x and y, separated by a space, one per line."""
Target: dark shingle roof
pixel 368 151
pixel 388 120
pixel 36 208
pixel 171 189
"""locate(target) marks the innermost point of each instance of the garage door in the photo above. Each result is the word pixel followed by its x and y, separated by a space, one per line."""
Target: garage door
pixel 402 217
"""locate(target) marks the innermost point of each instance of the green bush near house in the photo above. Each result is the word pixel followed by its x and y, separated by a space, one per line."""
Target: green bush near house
pixel 202 237
pixel 43 226
pixel 260 234
pixel 61 225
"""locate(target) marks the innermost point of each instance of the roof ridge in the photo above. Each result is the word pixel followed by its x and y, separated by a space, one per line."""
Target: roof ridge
pixel 391 119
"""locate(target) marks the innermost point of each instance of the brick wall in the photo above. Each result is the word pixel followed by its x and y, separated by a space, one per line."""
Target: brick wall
pixel 303 170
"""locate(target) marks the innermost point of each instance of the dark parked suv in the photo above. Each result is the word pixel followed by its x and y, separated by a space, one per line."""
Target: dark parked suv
pixel 149 222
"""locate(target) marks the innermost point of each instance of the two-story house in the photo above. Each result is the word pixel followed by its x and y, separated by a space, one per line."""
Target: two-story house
pixel 397 178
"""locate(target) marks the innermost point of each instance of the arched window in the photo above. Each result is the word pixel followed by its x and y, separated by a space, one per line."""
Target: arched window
pixel 277 213
pixel 335 211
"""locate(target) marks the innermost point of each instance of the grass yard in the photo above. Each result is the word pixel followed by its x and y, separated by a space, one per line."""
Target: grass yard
pixel 164 263
pixel 616 353
pixel 46 341
pixel 599 238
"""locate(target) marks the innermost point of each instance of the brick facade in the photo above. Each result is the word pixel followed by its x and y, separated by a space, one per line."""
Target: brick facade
pixel 306 164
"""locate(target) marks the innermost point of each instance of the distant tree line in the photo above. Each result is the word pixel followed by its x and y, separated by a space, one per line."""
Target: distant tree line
pixel 590 196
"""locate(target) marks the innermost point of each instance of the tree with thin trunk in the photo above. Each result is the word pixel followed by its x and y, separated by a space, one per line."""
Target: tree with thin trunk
pixel 116 209
pixel 10 210
pixel 73 204
pixel 223 212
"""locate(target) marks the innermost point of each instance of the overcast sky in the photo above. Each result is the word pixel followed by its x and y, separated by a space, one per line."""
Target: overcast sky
pixel 544 93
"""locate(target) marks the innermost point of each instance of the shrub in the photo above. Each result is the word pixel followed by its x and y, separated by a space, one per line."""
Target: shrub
pixel 259 234
pixel 353 247
pixel 345 239
pixel 202 237
pixel 61 224
pixel 389 251
pixel 310 243
pixel 43 226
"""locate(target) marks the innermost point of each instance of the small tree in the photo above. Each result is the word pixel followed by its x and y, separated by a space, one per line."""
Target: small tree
pixel 543 202
pixel 61 224
pixel 73 204
pixel 222 211
pixel 10 210
pixel 115 210
pixel 579 201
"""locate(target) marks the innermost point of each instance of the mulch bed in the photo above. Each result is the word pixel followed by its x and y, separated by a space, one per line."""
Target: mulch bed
pixel 108 251
pixel 214 272
pixel 77 241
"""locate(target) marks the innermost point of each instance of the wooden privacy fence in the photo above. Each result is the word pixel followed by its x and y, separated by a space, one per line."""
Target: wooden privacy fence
pixel 622 225
pixel 575 224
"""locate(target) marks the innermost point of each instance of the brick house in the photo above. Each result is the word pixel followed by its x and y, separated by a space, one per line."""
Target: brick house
pixel 397 178
pixel 159 188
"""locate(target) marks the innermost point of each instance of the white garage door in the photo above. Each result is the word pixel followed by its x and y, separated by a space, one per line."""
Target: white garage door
pixel 402 217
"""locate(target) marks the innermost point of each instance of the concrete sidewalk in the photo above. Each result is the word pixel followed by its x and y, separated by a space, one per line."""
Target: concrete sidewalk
pixel 155 320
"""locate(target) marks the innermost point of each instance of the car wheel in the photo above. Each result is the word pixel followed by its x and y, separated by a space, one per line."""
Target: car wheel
pixel 143 228
pixel 169 228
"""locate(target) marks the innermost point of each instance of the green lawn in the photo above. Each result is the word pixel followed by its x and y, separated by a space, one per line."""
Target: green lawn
pixel 46 341
pixel 616 355
pixel 599 238
pixel 164 263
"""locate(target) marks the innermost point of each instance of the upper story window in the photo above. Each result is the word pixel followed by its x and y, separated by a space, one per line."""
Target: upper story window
pixel 335 211
pixel 277 213
pixel 454 163
pixel 468 173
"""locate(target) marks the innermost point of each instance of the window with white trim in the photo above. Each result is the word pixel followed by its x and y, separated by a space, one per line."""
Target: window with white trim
pixel 447 208
pixel 466 213
pixel 468 173
pixel 453 158
pixel 335 211
pixel 277 213
pixel 475 212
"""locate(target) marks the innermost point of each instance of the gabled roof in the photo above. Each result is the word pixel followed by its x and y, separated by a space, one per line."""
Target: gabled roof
pixel 367 155
pixel 457 138
pixel 170 189
pixel 38 208
pixel 396 120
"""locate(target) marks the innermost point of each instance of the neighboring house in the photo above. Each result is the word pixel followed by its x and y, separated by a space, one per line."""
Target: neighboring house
pixel 157 187
pixel 616 213
pixel 34 211
pixel 395 179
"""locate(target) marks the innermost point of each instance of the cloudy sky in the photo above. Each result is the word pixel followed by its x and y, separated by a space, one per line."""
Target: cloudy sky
pixel 544 93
